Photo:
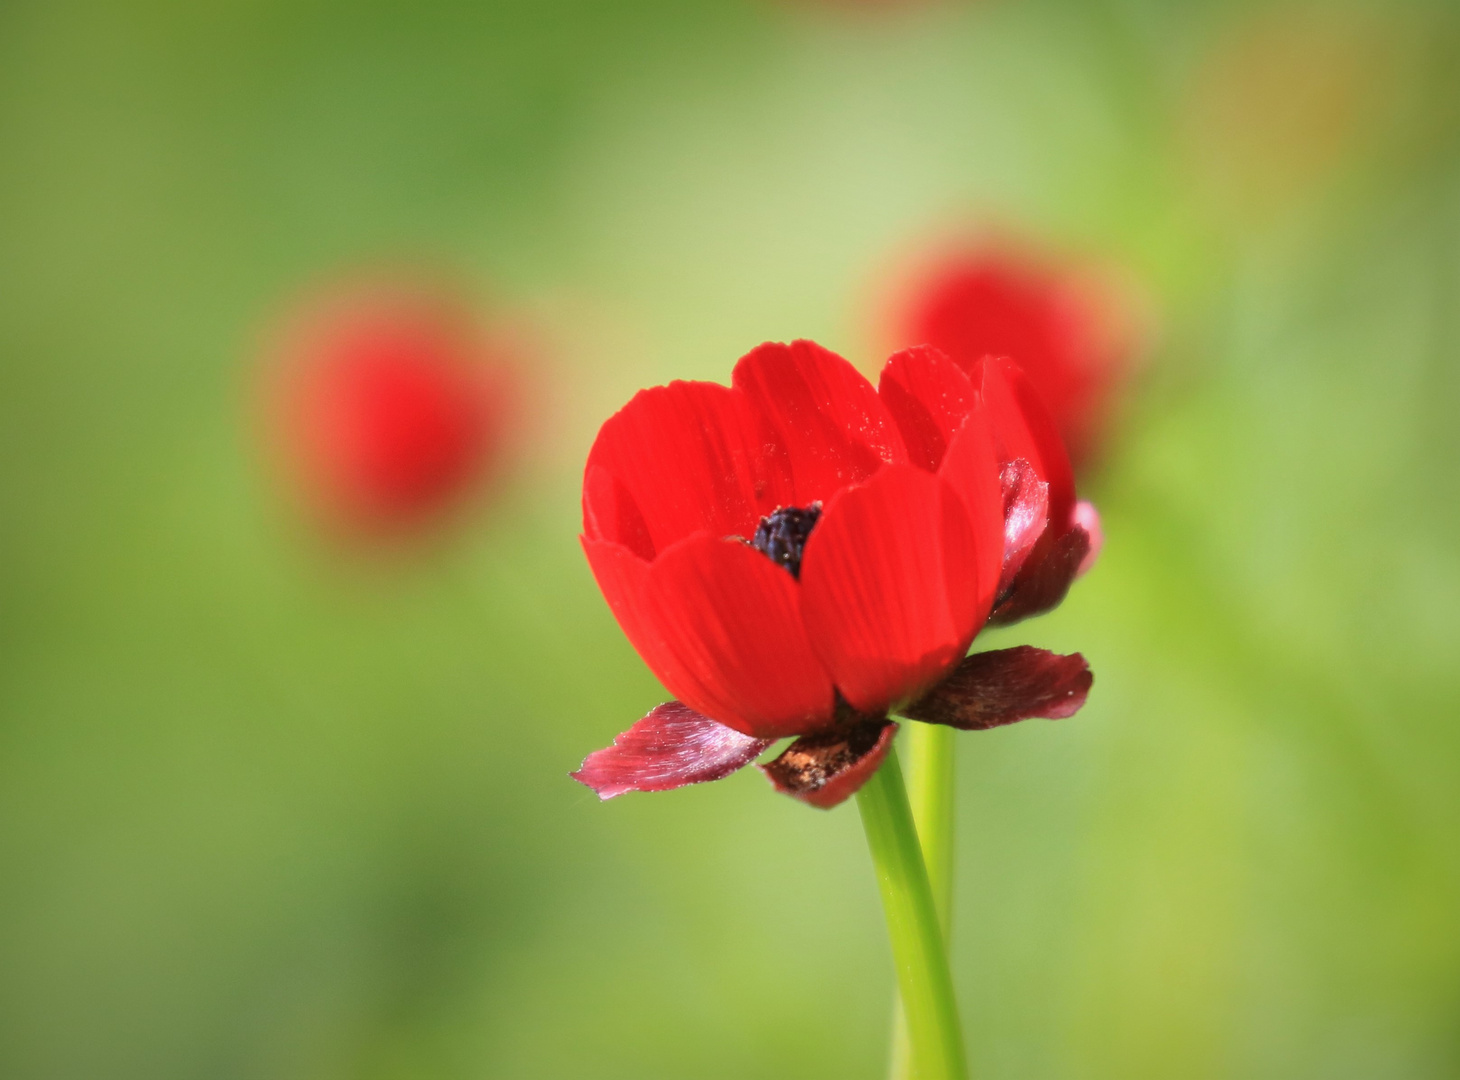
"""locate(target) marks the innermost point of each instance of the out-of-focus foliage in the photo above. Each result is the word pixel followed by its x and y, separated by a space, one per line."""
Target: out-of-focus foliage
pixel 263 815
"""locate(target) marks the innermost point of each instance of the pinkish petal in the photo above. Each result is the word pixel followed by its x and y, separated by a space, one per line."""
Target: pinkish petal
pixel 1088 518
pixel 825 769
pixel 1023 429
pixel 671 747
pixel 991 689
pixel 1026 513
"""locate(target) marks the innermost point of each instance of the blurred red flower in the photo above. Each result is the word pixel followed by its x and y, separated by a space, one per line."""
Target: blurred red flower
pixel 800 553
pixel 1066 329
pixel 390 405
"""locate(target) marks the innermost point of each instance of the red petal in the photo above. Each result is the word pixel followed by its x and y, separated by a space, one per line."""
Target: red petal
pixel 834 428
pixel 1023 429
pixel 610 513
pixel 690 458
pixel 972 467
pixel 929 396
pixel 995 688
pixel 621 576
pixel 1026 512
pixel 730 619
pixel 671 747
pixel 890 588
pixel 826 769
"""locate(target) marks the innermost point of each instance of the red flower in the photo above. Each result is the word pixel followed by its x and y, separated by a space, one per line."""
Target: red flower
pixel 390 407
pixel 800 553
pixel 1066 332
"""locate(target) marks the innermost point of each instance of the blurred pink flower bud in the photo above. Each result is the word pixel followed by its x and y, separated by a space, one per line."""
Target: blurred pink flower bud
pixel 1069 331
pixel 389 406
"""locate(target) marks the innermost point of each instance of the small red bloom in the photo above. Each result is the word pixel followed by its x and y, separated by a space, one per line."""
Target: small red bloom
pixel 800 553
pixel 390 406
pixel 1062 329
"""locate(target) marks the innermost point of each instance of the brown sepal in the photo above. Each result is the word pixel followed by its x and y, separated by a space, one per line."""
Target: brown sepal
pixel 827 768
pixel 990 689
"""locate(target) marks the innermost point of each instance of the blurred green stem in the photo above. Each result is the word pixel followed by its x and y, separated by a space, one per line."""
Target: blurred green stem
pixel 918 954
pixel 930 791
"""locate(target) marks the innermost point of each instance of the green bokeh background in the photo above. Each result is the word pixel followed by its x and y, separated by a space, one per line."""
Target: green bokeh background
pixel 268 813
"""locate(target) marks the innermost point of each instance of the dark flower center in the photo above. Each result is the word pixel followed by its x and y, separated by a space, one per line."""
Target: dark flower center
pixel 782 536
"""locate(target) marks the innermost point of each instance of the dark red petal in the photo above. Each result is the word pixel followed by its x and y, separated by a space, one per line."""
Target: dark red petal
pixel 890 589
pixel 730 620
pixel 690 457
pixel 826 769
pixel 929 396
pixel 833 427
pixel 991 689
pixel 1026 512
pixel 1023 429
pixel 671 747
pixel 1045 579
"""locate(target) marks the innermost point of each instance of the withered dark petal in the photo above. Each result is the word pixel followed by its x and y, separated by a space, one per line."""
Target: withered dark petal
pixel 1026 513
pixel 1044 580
pixel 827 768
pixel 991 689
pixel 671 747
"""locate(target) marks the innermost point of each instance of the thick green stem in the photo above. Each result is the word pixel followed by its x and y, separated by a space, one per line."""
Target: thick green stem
pixel 918 953
pixel 930 792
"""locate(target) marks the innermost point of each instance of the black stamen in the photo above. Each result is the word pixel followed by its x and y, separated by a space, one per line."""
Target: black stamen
pixel 782 536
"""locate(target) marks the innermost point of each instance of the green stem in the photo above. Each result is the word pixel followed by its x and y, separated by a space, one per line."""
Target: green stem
pixel 930 791
pixel 912 923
